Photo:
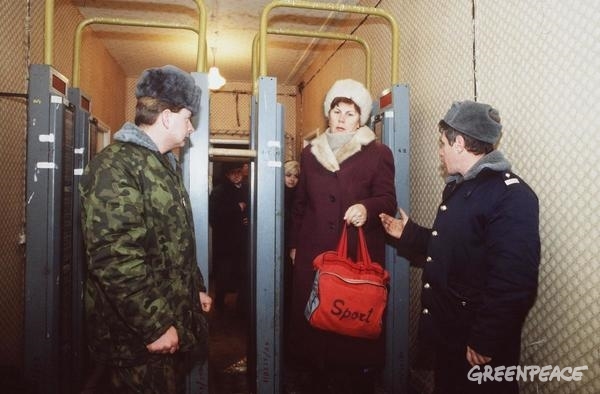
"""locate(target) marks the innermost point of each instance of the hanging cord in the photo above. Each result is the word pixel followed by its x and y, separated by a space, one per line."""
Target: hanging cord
pixel 213 50
pixel 474 55
pixel 237 108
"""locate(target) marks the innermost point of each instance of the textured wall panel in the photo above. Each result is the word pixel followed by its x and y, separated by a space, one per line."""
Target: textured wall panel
pixel 230 112
pixel 12 189
pixel 130 84
pixel 538 61
pixel 16 27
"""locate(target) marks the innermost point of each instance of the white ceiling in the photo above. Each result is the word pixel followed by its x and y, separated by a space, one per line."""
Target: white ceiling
pixel 231 28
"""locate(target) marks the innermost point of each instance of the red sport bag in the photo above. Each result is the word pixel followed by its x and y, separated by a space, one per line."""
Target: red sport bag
pixel 348 297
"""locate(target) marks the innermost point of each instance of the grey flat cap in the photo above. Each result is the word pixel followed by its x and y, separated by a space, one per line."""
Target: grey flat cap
pixel 473 119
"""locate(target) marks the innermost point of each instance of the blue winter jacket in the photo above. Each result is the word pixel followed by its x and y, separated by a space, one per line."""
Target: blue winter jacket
pixel 481 260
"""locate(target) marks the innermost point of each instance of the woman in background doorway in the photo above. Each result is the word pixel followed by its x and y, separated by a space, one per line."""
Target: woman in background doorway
pixel 291 170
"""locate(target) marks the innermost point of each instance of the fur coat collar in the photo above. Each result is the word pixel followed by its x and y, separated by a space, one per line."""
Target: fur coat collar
pixel 331 161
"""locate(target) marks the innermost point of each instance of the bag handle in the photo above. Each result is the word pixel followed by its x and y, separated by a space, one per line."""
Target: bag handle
pixel 361 248
pixel 362 252
pixel 342 248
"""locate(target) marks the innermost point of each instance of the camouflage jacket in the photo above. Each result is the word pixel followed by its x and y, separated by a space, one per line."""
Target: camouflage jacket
pixel 141 257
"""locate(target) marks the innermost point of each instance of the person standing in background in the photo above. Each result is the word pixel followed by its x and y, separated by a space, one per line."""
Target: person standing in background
pixel 144 293
pixel 347 178
pixel 228 206
pixel 291 170
pixel 481 257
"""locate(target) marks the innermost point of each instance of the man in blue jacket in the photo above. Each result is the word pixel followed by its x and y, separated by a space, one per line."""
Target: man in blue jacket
pixel 480 258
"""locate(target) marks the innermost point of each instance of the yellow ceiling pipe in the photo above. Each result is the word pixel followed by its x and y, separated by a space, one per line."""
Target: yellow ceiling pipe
pixel 48 32
pixel 307 33
pixel 122 22
pixel 328 7
pixel 201 31
pixel 201 62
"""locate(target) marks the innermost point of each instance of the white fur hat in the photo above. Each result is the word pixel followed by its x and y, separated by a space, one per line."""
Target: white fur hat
pixel 353 90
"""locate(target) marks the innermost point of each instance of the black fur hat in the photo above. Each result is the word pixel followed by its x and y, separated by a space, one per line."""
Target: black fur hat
pixel 169 84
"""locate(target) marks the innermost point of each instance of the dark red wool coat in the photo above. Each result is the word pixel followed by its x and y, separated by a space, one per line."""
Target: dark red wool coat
pixel 366 176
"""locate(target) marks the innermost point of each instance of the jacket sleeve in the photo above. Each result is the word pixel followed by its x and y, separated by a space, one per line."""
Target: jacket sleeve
pixel 413 242
pixel 115 235
pixel 512 263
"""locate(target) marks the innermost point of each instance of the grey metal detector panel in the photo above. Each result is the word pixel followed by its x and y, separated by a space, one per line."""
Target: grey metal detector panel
pixel 393 125
pixel 269 237
pixel 49 231
pixel 194 163
pixel 81 157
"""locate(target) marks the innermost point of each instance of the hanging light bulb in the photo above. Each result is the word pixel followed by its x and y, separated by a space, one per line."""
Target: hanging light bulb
pixel 215 79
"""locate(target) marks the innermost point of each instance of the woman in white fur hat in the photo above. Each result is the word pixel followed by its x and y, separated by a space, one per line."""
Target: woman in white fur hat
pixel 347 178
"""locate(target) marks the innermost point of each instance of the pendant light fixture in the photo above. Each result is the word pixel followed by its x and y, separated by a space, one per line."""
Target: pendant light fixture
pixel 215 79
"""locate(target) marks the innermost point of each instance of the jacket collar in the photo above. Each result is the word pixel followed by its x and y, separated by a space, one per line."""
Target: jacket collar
pixel 494 161
pixel 331 161
pixel 132 134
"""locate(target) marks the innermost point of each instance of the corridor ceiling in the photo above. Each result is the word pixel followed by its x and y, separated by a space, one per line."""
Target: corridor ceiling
pixel 231 26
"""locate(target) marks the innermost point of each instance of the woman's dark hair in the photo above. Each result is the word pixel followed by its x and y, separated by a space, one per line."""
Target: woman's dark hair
pixel 345 100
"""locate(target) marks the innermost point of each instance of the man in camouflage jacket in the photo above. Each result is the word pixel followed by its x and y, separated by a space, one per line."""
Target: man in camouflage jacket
pixel 144 293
